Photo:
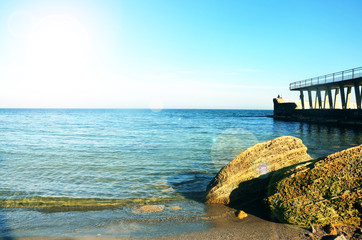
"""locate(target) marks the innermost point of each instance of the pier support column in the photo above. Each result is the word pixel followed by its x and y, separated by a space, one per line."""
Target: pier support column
pixel 310 99
pixel 319 98
pixel 336 96
pixel 348 97
pixel 358 95
pixel 325 100
pixel 302 98
pixel 343 98
pixel 330 99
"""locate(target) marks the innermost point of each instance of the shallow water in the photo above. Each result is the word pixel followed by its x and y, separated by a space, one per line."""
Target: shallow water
pixel 68 165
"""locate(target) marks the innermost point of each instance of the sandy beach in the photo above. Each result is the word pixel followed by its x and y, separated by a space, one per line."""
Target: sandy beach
pixel 225 225
pixel 228 227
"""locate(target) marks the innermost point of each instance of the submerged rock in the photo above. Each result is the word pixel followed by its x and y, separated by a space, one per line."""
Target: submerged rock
pixel 326 191
pixel 247 172
pixel 175 208
pixel 149 208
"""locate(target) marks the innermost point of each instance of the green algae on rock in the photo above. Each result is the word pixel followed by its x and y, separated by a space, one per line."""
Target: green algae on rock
pixel 321 192
pixel 55 204
pixel 248 171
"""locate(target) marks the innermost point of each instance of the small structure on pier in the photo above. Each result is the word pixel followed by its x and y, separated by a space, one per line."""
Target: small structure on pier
pixel 325 99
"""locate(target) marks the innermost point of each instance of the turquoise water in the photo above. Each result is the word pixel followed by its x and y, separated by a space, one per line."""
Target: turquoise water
pixel 60 159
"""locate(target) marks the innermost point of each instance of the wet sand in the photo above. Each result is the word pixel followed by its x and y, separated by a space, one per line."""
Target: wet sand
pixel 225 225
pixel 249 228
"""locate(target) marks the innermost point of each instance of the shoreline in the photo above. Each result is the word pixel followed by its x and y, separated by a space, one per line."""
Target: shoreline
pixel 219 221
pixel 225 225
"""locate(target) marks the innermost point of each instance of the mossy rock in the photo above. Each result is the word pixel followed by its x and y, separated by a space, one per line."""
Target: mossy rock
pixel 246 176
pixel 320 192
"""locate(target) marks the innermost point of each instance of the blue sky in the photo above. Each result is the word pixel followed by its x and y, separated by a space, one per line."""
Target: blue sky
pixel 170 54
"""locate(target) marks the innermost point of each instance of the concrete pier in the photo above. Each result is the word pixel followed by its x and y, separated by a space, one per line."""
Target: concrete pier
pixel 325 99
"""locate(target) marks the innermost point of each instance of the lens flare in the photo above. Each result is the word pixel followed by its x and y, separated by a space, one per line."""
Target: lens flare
pixel 229 144
pixel 156 105
pixel 263 169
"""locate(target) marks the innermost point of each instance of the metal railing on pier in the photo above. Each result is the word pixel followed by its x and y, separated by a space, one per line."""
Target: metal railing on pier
pixel 329 78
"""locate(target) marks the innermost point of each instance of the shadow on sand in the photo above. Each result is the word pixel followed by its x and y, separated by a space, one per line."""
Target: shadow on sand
pixel 251 196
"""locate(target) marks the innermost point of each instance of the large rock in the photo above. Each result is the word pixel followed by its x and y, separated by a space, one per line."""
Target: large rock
pixel 246 174
pixel 326 191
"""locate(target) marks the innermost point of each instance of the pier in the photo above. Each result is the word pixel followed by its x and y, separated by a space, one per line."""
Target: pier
pixel 331 98
pixel 331 91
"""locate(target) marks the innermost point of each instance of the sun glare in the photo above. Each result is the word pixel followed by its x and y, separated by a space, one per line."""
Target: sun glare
pixel 58 42
pixel 58 52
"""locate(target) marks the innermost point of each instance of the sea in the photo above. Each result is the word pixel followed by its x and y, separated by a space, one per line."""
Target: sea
pixel 91 172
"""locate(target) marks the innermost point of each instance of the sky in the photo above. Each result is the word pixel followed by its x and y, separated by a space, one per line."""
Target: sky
pixel 230 54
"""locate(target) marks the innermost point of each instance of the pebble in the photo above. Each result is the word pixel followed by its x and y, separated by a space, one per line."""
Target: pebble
pixel 242 215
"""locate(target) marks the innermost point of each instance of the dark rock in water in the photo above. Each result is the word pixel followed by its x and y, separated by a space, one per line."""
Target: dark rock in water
pixel 247 174
pixel 321 192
